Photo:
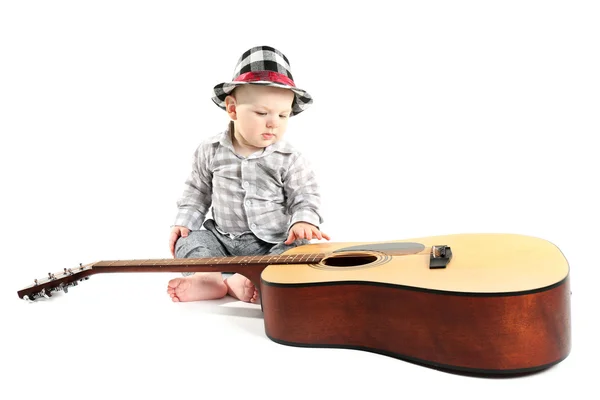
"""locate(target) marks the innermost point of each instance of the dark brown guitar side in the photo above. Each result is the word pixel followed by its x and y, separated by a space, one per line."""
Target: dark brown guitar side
pixel 479 334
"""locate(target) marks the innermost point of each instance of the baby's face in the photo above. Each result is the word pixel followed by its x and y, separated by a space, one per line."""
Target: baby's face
pixel 262 114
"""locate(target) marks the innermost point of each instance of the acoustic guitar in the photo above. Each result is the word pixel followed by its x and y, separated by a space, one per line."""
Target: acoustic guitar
pixel 477 303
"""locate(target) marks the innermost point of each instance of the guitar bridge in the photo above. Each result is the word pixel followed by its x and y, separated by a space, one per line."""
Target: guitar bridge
pixel 439 257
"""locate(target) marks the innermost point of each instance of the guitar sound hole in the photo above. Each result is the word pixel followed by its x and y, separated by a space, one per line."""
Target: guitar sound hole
pixel 352 261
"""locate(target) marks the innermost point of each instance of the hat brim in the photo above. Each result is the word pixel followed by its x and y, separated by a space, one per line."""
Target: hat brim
pixel 302 100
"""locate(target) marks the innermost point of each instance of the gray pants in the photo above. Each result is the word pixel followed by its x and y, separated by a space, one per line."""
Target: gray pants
pixel 212 243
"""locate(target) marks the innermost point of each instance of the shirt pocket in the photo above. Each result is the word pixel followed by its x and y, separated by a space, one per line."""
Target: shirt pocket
pixel 269 184
pixel 226 178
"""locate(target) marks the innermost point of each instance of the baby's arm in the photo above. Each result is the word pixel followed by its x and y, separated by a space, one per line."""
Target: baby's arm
pixel 193 205
pixel 304 202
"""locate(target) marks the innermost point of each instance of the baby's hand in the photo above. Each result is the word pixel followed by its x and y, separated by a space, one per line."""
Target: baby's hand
pixel 175 233
pixel 303 230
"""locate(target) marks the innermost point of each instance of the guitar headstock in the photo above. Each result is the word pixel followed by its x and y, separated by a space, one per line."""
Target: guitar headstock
pixel 56 282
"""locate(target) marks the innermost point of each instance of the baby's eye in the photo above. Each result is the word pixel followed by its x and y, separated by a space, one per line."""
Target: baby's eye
pixel 260 113
pixel 283 116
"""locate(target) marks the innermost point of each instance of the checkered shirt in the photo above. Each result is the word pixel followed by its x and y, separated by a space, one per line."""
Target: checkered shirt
pixel 265 193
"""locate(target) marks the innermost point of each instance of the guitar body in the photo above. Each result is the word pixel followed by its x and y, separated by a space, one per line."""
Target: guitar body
pixel 500 306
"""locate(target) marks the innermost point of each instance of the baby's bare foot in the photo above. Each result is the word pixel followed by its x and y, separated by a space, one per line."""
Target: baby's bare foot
pixel 242 288
pixel 200 286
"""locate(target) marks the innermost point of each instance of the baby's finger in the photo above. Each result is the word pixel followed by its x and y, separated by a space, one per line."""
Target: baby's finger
pixel 290 238
pixel 318 234
pixel 308 233
pixel 172 241
pixel 300 233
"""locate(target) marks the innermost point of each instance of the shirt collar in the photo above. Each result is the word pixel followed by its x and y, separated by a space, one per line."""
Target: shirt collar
pixel 225 140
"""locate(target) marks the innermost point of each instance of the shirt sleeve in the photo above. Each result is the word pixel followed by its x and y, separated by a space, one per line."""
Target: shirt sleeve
pixel 193 205
pixel 302 193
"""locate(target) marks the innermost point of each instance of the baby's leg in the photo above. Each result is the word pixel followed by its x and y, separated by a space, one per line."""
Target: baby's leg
pixel 200 285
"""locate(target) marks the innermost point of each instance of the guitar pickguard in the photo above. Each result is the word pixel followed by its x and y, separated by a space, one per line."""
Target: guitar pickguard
pixel 390 248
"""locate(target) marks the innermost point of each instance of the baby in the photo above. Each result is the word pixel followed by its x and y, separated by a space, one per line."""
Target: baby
pixel 264 195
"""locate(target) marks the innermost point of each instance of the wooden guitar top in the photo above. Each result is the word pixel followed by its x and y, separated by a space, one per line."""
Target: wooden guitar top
pixel 481 263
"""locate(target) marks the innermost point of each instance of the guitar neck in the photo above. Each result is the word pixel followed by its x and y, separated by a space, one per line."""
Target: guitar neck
pixel 208 264
pixel 249 266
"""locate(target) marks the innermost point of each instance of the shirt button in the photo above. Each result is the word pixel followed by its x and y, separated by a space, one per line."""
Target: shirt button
pixel 253 226
pixel 248 203
pixel 246 184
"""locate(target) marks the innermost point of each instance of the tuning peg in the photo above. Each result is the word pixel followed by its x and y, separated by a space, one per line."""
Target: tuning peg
pixel 35 281
pixel 27 299
pixel 64 287
pixel 51 276
pixel 43 293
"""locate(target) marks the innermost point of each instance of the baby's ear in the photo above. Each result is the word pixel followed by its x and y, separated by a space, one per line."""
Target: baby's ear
pixel 230 107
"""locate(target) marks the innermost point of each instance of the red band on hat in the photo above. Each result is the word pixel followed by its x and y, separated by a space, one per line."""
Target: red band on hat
pixel 265 76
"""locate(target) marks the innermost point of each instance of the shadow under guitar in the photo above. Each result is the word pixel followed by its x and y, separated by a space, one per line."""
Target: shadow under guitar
pixel 226 306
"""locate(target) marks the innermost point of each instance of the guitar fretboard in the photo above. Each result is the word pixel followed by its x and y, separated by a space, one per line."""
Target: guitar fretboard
pixel 238 260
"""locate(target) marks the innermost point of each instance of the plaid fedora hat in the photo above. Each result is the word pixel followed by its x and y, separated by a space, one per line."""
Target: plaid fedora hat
pixel 263 65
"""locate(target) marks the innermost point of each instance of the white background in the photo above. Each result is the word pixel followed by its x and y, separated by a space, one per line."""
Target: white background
pixel 428 118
